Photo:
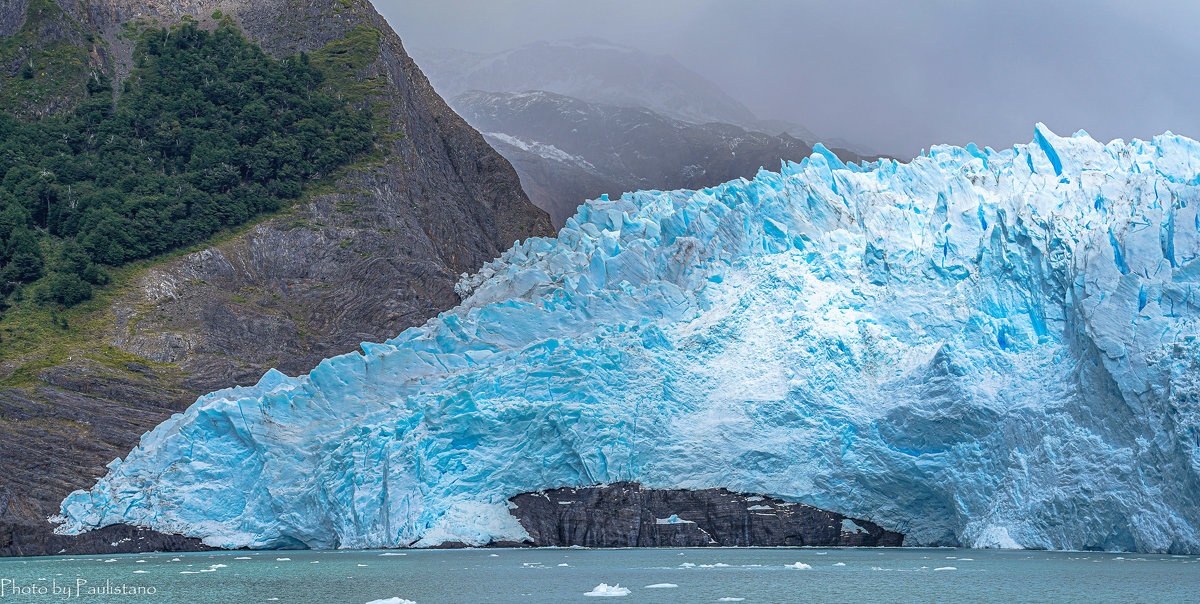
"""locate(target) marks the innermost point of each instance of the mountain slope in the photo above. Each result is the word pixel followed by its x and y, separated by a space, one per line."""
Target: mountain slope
pixel 369 253
pixel 567 150
pixel 980 348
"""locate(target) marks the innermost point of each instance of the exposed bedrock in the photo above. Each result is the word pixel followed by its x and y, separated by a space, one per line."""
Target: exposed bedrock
pixel 115 539
pixel 626 515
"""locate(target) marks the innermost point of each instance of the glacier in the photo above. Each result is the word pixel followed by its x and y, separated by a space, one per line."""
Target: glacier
pixel 978 347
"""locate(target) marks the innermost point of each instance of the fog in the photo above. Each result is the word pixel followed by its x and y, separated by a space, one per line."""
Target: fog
pixel 896 77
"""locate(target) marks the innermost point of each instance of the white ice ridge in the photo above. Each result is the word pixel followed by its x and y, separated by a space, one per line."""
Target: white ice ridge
pixel 991 348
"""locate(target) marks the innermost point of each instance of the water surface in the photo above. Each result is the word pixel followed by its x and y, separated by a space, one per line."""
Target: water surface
pixel 565 575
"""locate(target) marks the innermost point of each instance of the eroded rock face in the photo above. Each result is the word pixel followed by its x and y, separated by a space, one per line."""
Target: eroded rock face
pixel 30 540
pixel 12 16
pixel 378 254
pixel 626 515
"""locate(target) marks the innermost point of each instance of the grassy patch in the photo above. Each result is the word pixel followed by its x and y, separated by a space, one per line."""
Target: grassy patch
pixel 343 62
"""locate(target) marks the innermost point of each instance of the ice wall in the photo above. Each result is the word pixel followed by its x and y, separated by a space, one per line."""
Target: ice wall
pixel 986 348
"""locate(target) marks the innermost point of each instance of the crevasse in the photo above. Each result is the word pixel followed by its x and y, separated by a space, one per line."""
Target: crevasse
pixel 984 348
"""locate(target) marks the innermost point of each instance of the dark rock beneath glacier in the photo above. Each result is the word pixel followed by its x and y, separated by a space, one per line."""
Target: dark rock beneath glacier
pixel 626 515
pixel 19 540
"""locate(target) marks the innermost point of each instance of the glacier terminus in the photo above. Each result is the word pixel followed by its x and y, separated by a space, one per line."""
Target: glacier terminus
pixel 980 348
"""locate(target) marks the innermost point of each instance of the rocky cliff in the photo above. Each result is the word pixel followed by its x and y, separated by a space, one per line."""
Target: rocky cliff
pixel 370 254
pixel 626 515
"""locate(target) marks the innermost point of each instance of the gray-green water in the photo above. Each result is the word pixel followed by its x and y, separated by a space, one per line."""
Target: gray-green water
pixel 565 575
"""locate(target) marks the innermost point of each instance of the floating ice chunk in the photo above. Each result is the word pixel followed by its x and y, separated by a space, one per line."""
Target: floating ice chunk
pixel 392 601
pixel 283 559
pixel 111 560
pixel 839 563
pixel 687 565
pixel 605 590
pixel 174 559
pixel 945 568
pixel 218 566
pixel 799 565
pixel 242 558
pixel 140 572
pixel 564 564
pixel 662 586
pixel 672 519
pixel 362 565
pixel 399 554
pixel 730 599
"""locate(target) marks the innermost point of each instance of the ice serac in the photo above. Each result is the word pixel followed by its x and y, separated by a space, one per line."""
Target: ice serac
pixel 985 348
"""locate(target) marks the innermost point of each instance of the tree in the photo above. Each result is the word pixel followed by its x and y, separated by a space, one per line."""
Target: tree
pixel 66 289
pixel 25 262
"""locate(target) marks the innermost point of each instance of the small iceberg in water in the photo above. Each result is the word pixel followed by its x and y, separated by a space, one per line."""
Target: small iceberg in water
pixel 604 590
pixel 799 565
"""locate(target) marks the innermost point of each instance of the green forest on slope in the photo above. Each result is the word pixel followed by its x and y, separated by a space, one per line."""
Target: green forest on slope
pixel 207 133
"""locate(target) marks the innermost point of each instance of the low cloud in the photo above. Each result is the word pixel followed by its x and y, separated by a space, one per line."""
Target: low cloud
pixel 894 76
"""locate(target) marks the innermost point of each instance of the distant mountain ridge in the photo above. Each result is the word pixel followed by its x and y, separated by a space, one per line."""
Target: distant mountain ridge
pixel 585 117
pixel 589 69
pixel 567 150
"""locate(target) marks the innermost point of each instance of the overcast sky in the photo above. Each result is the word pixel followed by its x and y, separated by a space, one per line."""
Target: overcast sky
pixel 895 76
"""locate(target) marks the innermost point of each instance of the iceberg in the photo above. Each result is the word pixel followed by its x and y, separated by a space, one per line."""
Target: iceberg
pixel 978 347
pixel 605 590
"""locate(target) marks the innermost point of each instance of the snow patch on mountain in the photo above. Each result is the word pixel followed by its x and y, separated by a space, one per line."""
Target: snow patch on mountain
pixel 543 150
